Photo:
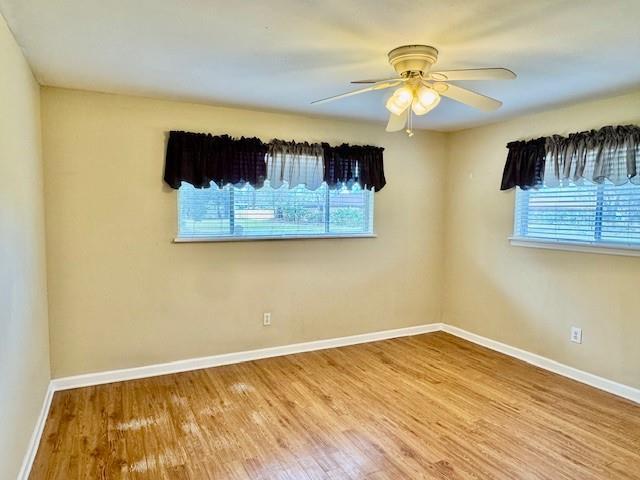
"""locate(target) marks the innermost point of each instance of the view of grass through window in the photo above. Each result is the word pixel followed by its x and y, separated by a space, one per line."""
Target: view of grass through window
pixel 267 212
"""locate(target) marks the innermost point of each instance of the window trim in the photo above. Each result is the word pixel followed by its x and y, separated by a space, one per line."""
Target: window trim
pixel 575 246
pixel 269 238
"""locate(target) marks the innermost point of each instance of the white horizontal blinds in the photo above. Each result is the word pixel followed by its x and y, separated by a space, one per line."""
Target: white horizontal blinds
pixel 556 213
pixel 350 211
pixel 591 213
pixel 621 214
pixel 203 212
pixel 269 212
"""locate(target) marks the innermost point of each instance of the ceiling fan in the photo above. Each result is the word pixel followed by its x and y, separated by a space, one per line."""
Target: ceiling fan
pixel 419 89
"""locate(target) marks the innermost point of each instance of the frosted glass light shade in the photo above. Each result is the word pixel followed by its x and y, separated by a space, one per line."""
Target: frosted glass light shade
pixel 426 99
pixel 400 100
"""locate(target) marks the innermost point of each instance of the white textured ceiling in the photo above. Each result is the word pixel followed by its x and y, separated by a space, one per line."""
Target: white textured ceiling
pixel 282 54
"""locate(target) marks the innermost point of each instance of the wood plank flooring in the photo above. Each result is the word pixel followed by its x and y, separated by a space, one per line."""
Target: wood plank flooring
pixel 431 406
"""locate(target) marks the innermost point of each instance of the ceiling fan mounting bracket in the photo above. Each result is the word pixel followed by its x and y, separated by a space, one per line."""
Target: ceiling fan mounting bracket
pixel 410 60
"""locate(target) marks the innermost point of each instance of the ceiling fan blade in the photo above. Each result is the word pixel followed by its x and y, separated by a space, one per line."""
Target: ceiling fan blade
pixel 376 86
pixel 377 80
pixel 468 97
pixel 397 122
pixel 473 74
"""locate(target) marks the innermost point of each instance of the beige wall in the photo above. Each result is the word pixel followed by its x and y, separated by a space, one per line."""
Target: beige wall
pixel 123 295
pixel 530 297
pixel 24 337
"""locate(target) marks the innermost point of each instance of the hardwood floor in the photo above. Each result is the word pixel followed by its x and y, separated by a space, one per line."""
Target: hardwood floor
pixel 430 406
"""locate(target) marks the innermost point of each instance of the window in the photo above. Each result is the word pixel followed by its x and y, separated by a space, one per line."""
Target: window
pixel 601 215
pixel 241 213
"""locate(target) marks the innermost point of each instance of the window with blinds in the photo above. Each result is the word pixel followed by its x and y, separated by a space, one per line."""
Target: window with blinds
pixel 245 213
pixel 593 214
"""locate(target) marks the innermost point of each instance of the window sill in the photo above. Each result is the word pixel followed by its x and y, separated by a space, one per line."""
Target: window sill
pixel 265 237
pixel 570 246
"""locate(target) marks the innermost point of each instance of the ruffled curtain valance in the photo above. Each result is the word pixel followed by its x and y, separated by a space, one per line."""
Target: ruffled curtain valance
pixel 525 164
pixel 611 153
pixel 295 163
pixel 199 159
pixel 349 164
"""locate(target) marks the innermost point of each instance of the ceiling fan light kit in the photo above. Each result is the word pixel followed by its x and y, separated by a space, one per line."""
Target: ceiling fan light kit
pixel 426 99
pixel 419 89
pixel 400 100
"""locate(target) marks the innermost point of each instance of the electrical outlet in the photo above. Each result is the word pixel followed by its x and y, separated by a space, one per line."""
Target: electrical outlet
pixel 576 335
pixel 266 319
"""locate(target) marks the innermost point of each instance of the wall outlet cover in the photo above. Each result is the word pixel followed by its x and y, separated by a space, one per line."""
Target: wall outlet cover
pixel 576 335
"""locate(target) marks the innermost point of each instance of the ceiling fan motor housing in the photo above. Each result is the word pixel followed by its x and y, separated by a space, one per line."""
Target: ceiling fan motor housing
pixel 412 58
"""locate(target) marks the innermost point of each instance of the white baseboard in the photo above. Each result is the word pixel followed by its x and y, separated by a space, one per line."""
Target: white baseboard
pixel 32 447
pixel 610 386
pixel 99 378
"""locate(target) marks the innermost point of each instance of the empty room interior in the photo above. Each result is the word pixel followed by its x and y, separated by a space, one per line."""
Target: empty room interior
pixel 305 240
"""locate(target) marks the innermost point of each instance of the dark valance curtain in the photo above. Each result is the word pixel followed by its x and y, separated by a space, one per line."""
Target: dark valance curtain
pixel 349 164
pixel 611 153
pixel 525 164
pixel 199 158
